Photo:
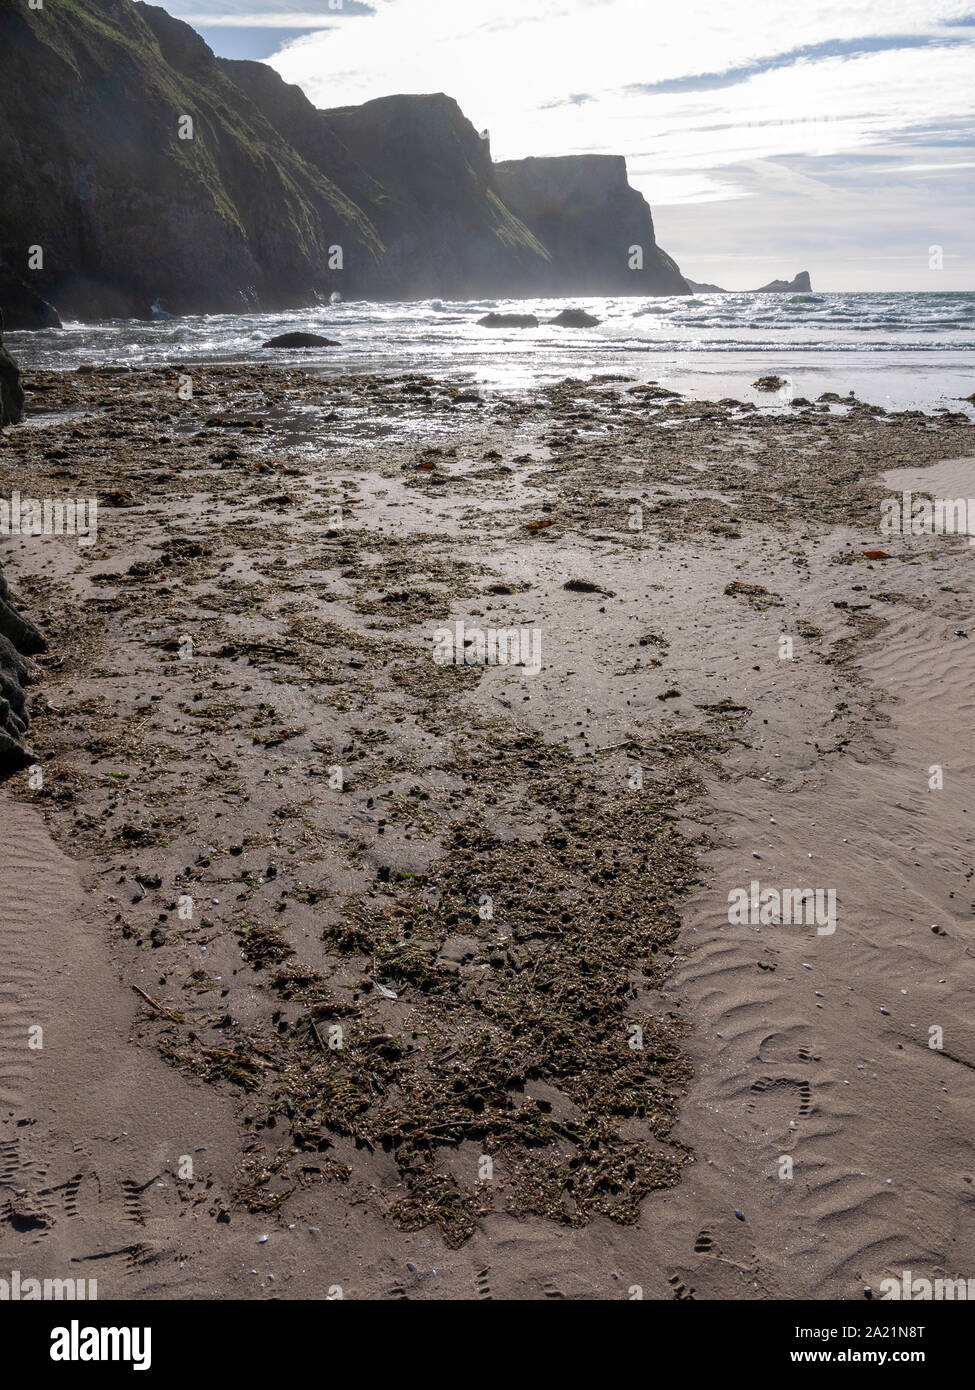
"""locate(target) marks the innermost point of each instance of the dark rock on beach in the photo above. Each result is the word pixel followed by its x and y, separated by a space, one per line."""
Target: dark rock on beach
pixel 300 340
pixel 508 321
pixel 575 318
pixel 18 639
pixel 14 752
pixel 11 391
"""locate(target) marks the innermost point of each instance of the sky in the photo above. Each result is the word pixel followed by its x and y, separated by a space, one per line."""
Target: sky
pixel 835 136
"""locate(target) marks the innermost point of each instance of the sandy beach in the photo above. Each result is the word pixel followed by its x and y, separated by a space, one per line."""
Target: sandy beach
pixel 372 975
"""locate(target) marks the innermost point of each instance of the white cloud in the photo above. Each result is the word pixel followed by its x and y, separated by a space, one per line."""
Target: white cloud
pixel 570 76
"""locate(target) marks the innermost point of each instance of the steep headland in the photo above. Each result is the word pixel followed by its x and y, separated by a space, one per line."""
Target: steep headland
pixel 801 284
pixel 597 228
pixel 422 175
pixel 142 169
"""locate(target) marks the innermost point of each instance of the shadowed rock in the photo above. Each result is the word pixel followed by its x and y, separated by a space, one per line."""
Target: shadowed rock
pixel 17 639
pixel 11 391
pixel 575 318
pixel 508 321
pixel 23 308
pixel 300 340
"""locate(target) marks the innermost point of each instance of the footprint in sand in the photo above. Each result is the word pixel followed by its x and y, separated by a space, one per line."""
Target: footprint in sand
pixel 779 1103
pixel 679 1287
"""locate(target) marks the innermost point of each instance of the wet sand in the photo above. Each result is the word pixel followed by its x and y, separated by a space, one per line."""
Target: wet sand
pixel 425 972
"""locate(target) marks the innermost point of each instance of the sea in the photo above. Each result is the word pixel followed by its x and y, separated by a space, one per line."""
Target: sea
pixel 905 350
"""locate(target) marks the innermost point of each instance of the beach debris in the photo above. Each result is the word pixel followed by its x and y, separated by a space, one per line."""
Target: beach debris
pixel 174 1018
pixel 875 555
pixel 770 383
pixel 586 586
pixel 653 392
pixel 760 597
pixel 119 497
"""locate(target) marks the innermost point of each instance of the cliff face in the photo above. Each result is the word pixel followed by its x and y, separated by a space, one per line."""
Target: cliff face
pixel 419 171
pixel 447 230
pixel 585 212
pixel 93 100
pixel 92 93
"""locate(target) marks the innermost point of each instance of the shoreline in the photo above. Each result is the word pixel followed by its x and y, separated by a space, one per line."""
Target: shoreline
pixel 353 517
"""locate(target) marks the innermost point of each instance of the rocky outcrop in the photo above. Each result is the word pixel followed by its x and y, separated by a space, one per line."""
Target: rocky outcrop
pixel 150 177
pixel 597 229
pixel 18 639
pixel 15 752
pixel 575 318
pixel 508 321
pixel 300 340
pixel 11 391
pixel 800 285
